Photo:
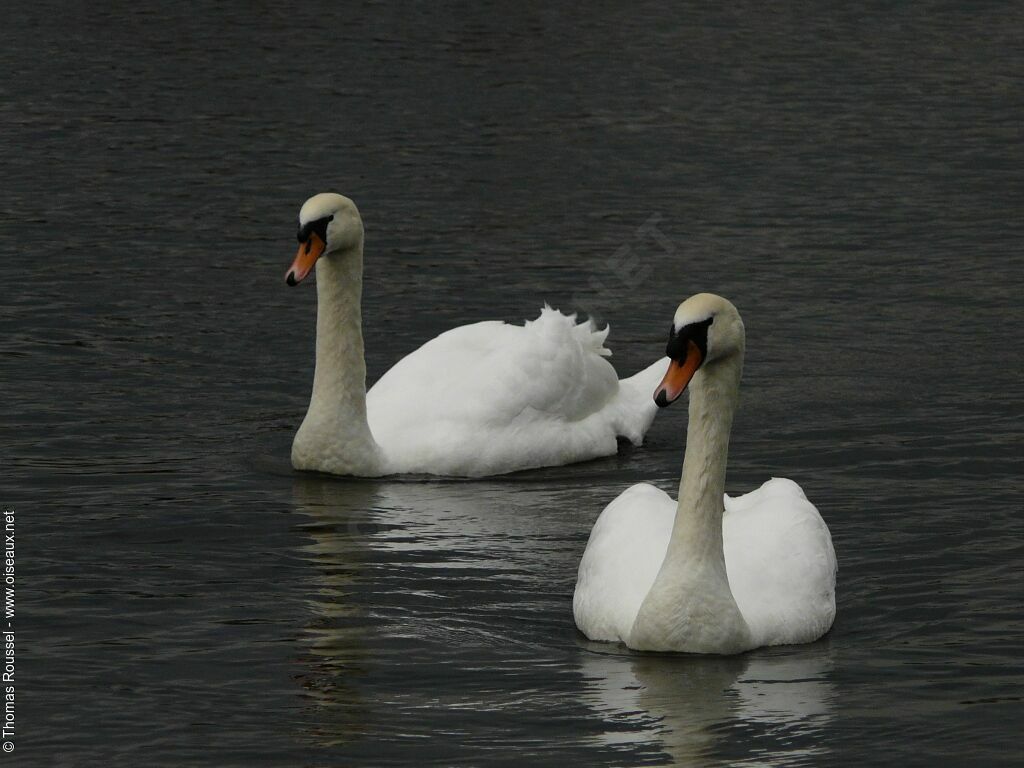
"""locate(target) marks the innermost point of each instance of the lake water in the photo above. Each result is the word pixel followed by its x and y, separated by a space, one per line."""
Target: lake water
pixel 851 178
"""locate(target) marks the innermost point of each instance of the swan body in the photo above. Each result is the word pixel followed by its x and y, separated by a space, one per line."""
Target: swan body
pixel 764 533
pixel 709 573
pixel 481 399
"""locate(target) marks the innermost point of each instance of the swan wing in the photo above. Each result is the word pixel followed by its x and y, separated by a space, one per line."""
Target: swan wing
pixel 626 548
pixel 781 563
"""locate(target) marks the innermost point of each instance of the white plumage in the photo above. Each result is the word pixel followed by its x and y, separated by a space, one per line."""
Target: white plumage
pixel 489 398
pixel 709 573
pixel 481 399
pixel 778 556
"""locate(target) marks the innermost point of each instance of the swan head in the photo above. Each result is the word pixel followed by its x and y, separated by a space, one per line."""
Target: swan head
pixel 328 224
pixel 706 329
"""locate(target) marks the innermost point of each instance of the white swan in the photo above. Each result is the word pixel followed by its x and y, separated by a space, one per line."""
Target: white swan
pixel 693 576
pixel 482 399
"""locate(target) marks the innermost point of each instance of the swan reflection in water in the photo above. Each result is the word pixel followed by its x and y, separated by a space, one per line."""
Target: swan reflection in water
pixel 413 582
pixel 452 600
pixel 338 638
pixel 770 707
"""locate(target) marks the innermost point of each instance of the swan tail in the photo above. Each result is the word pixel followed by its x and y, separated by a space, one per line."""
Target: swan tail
pixel 636 401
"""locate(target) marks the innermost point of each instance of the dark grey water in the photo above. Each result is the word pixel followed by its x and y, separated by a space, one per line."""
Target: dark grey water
pixel 851 179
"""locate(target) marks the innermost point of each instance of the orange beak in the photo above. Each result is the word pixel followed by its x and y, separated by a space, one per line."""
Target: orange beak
pixel 309 252
pixel 678 376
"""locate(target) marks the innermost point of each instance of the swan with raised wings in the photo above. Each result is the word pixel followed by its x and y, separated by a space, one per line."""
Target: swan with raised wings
pixel 709 574
pixel 481 399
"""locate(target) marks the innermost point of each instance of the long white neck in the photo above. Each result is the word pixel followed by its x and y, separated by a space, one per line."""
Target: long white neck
pixel 335 436
pixel 697 531
pixel 690 606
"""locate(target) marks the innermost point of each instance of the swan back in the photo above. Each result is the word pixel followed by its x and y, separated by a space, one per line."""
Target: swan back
pixel 492 397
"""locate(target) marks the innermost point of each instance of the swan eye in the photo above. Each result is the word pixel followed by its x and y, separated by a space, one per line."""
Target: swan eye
pixel 678 341
pixel 319 227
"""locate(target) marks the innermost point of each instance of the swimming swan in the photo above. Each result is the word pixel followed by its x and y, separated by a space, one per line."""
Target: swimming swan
pixel 694 576
pixel 482 399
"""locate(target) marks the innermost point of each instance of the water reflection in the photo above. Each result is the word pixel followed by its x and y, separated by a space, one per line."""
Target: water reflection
pixel 338 639
pixel 405 572
pixel 470 585
pixel 777 701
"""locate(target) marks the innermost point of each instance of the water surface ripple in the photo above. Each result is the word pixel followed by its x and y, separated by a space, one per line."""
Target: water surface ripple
pixel 850 177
